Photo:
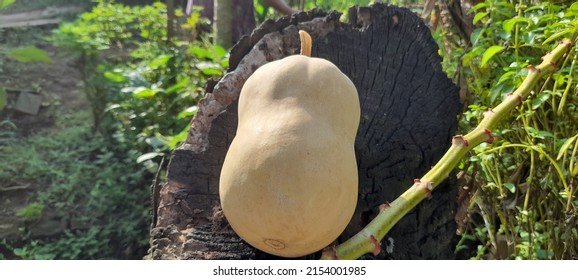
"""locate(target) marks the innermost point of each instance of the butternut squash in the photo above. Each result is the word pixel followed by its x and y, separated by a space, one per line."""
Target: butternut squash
pixel 289 181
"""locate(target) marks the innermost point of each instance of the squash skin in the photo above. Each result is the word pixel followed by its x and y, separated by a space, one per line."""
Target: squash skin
pixel 289 181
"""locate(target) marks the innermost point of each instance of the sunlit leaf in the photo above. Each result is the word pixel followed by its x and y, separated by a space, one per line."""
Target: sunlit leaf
pixel 172 141
pixel 479 16
pixel 6 3
pixel 174 88
pixel 506 76
pixel 191 111
pixel 115 77
pixel 211 72
pixel 566 146
pixel 574 7
pixel 29 54
pixel 489 53
pixel 557 35
pixel 148 156
pixel 161 60
pixel 219 52
pixel 509 24
pixel 144 92
pixel 511 187
pixel 479 6
pixel 200 52
pixel 209 69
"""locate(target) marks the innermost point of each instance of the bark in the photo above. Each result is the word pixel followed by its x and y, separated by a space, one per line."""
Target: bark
pixel 224 23
pixel 170 20
pixel 233 19
pixel 409 109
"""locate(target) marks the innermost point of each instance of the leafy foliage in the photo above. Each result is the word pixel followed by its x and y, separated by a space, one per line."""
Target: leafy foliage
pixel 151 80
pixel 143 89
pixel 25 54
pixel 32 212
pixel 98 191
pixel 28 54
pixel 523 185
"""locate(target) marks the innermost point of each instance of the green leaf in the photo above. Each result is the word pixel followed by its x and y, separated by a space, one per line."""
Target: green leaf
pixel 478 6
pixel 218 53
pixel 209 69
pixel 557 35
pixel 538 101
pixel 28 54
pixel 5 3
pixel 183 83
pixel 479 16
pixel 148 156
pixel 191 111
pixel 511 187
pixel 115 77
pixel 507 76
pixel 489 53
pixel 574 7
pixel 3 98
pixel 174 140
pixel 143 92
pixel 543 134
pixel 200 52
pixel 544 254
pixel 155 142
pixel 161 60
pixel 475 37
pixel 509 24
pixel 19 252
pixel 566 146
pixel 211 72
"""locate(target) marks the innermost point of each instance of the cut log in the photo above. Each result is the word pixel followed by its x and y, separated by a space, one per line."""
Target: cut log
pixel 409 110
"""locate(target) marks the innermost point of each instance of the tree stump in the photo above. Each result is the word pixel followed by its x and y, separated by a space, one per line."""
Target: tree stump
pixel 408 116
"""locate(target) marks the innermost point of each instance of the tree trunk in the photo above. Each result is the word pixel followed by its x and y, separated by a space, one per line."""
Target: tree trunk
pixel 233 19
pixel 170 20
pixel 409 110
pixel 224 23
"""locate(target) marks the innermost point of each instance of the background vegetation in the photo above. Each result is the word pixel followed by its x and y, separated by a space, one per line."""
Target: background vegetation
pixel 523 186
pixel 517 196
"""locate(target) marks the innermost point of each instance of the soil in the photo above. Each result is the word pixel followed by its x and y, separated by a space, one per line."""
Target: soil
pixel 58 84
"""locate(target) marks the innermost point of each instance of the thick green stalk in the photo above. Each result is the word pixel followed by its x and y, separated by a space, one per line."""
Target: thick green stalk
pixel 368 240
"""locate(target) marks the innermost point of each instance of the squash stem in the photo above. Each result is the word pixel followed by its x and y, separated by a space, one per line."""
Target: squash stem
pixel 306 43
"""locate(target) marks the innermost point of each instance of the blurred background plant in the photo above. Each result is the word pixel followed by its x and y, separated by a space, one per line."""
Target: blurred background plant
pixel 141 82
pixel 142 87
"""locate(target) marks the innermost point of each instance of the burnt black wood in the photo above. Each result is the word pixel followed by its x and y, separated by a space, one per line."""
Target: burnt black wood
pixel 409 110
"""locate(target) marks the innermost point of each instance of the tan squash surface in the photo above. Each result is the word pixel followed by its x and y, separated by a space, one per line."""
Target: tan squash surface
pixel 289 181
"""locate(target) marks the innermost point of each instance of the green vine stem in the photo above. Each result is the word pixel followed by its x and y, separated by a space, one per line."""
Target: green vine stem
pixel 368 239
